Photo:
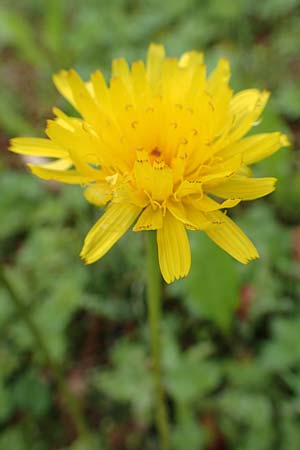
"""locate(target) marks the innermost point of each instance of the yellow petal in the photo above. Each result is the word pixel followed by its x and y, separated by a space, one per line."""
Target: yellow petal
pixel 65 121
pixel 108 230
pixel 120 69
pixel 255 148
pixel 191 217
pixel 197 220
pixel 227 235
pixel 177 209
pixel 66 137
pixel 81 147
pixel 59 164
pixel 243 188
pixel 155 59
pixel 101 91
pixel 37 147
pixel 98 193
pixel 77 92
pixel 90 87
pixel 228 166
pixel 221 172
pixel 189 187
pixel 150 219
pixel 143 171
pixel 162 181
pixel 197 84
pixel 173 81
pixel 174 251
pixel 86 104
pixel 246 101
pixel 207 204
pixel 156 179
pixel 246 107
pixel 219 77
pixel 139 80
pixel 120 96
pixel 221 94
pixel 62 84
pixel 191 59
pixel 63 176
pixel 79 137
pixel 244 171
pixel 125 193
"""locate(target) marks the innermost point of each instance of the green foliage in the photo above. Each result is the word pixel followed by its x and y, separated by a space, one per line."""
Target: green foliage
pixel 129 380
pixel 231 356
pixel 276 353
pixel 12 439
pixel 187 433
pixel 190 375
pixel 31 394
pixel 205 297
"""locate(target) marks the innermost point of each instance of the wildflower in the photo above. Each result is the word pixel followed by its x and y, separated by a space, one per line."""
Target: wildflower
pixel 163 147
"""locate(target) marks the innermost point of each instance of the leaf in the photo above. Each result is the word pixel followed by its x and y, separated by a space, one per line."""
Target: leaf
pixel 189 375
pixel 212 287
pixel 192 380
pixel 31 394
pixel 5 402
pixel 187 434
pixel 289 427
pixel 286 197
pixel 86 444
pixel 129 380
pixel 12 439
pixel 283 351
pixel 253 413
pixel 288 99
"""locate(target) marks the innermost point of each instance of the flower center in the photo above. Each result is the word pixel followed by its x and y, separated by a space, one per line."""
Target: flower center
pixel 155 154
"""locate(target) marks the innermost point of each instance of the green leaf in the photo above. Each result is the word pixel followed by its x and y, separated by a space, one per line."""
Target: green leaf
pixel 5 402
pixel 283 351
pixel 85 444
pixel 130 380
pixel 192 379
pixel 12 439
pixel 288 99
pixel 31 394
pixel 190 375
pixel 212 286
pixel 187 434
pixel 253 413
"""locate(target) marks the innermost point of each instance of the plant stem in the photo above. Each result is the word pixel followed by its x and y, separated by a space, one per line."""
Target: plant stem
pixel 71 402
pixel 154 316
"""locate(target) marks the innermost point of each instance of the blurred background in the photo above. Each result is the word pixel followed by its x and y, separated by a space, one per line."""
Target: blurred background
pixel 73 338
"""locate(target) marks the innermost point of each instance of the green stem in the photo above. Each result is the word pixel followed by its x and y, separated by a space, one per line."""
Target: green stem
pixel 70 401
pixel 154 316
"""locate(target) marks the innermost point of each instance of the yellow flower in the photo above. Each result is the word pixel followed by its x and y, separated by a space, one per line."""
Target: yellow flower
pixel 162 146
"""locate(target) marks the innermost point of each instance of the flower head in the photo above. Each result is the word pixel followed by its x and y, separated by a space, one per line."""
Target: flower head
pixel 162 146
